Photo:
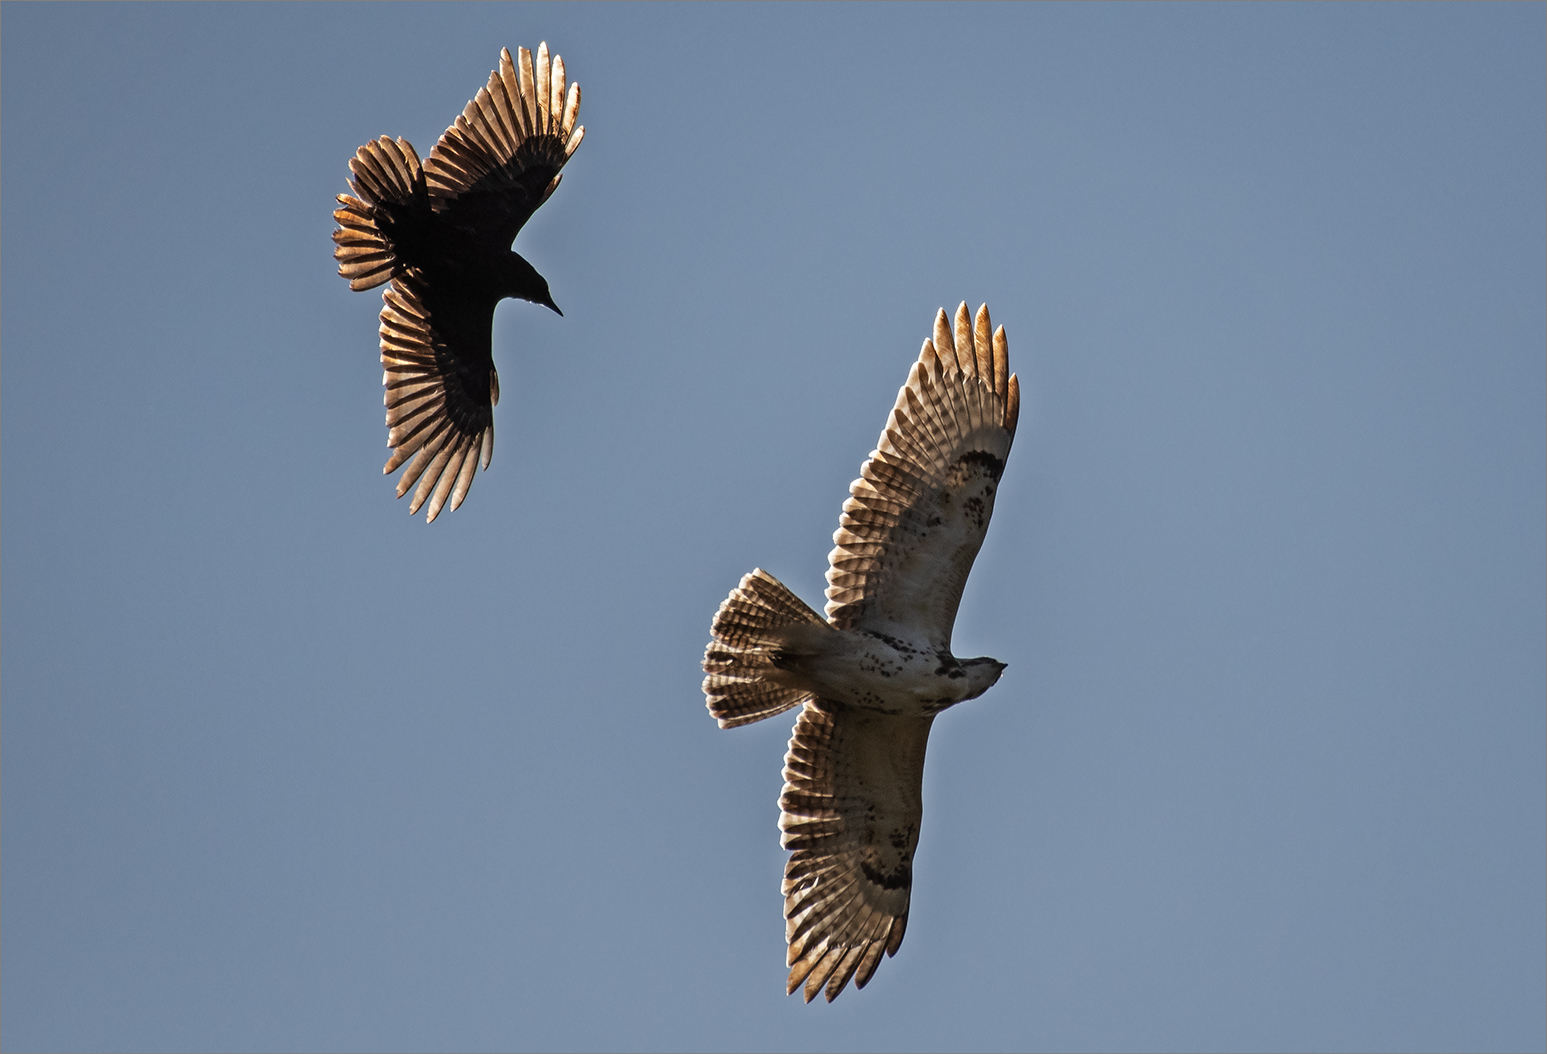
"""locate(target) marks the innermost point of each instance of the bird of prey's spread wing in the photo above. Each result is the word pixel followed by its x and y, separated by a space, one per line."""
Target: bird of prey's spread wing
pixel 850 811
pixel 871 678
pixel 441 233
pixel 916 516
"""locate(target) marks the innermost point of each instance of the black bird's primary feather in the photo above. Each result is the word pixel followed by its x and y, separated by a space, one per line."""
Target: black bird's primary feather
pixel 440 232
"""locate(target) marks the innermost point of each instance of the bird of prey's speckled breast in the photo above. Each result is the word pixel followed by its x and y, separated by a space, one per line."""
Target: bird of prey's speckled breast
pixel 872 676
pixel 441 233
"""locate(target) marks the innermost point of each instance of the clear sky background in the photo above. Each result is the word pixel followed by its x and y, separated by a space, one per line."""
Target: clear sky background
pixel 285 768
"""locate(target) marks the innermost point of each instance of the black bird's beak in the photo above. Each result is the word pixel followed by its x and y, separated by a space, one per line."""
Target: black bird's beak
pixel 549 303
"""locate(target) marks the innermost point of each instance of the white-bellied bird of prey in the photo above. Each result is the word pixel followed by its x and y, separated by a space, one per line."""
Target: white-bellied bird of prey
pixel 441 232
pixel 871 677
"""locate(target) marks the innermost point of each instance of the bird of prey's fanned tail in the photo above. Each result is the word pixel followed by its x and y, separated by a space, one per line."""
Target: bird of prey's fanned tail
pixel 753 625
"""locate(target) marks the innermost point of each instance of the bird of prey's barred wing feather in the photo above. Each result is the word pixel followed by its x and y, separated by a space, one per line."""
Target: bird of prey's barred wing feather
pixel 501 158
pixel 917 515
pixel 853 785
pixel 441 389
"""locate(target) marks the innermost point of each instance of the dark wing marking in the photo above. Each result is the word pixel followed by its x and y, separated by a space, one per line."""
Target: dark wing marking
pixel 917 515
pixel 853 786
pixel 501 159
pixel 441 389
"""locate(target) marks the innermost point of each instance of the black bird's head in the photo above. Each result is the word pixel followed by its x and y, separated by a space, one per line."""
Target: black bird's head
pixel 547 301
pixel 520 279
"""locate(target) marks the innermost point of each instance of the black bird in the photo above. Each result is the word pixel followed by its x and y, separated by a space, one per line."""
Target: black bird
pixel 441 233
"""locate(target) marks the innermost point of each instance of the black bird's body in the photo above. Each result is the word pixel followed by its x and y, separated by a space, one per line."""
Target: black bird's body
pixel 440 232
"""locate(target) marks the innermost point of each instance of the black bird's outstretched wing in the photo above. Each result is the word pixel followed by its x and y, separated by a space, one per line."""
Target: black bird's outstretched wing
pixel 438 370
pixel 501 159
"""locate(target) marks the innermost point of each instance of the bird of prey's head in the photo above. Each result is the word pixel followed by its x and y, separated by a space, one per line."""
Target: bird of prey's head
pixel 982 674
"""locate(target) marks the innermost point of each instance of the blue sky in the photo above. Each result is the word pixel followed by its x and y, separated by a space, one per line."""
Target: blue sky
pixel 284 768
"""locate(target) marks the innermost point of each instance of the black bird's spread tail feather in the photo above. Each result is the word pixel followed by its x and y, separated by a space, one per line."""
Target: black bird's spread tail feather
pixel 390 180
pixel 749 630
